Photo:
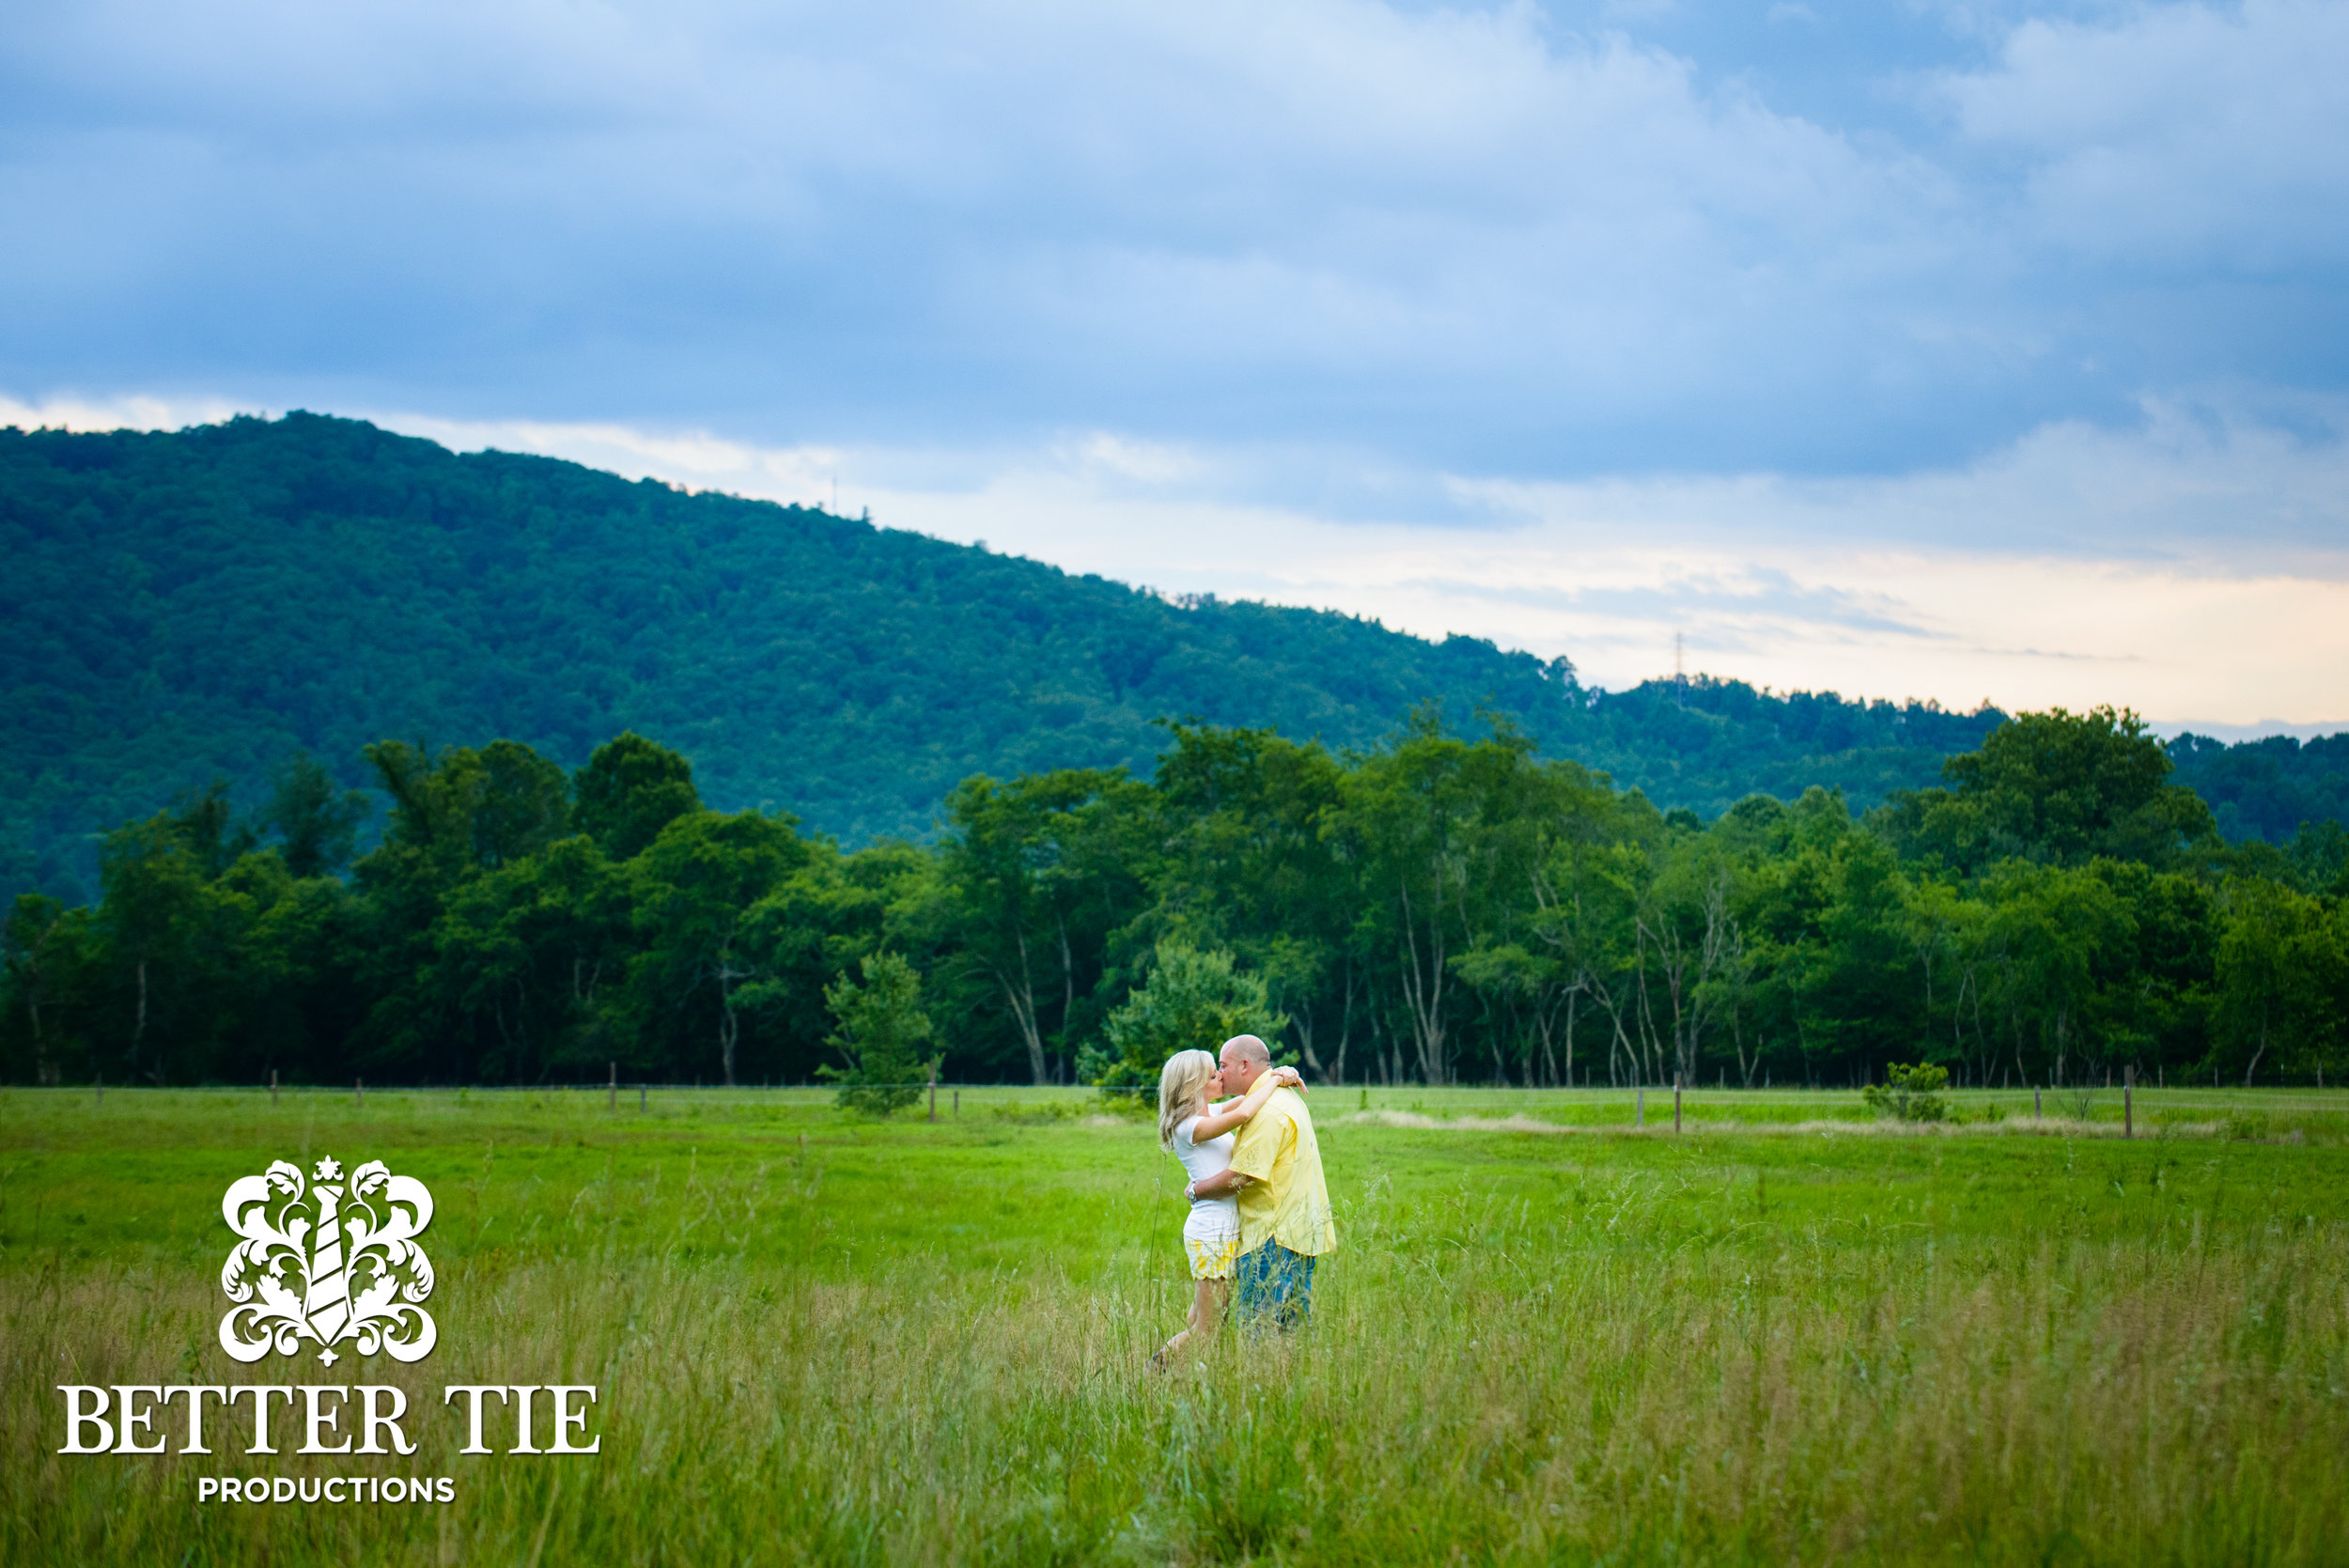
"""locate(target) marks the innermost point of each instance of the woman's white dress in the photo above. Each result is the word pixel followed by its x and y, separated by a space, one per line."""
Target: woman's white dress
pixel 1211 1234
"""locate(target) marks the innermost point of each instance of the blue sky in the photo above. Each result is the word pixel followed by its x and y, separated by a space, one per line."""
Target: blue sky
pixel 1949 349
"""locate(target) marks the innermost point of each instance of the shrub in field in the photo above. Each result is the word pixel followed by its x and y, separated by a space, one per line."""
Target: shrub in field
pixel 1910 1093
pixel 882 1029
pixel 1193 1001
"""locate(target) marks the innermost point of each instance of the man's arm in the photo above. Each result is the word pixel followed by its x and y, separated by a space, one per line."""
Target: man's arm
pixel 1217 1185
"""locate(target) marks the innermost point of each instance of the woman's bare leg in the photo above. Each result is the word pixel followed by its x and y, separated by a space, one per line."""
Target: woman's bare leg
pixel 1207 1311
pixel 1207 1308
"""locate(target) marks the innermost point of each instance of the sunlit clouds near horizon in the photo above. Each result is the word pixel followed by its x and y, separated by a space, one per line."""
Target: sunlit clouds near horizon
pixel 1960 350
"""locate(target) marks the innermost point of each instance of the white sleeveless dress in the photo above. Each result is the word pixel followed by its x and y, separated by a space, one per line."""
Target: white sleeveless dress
pixel 1211 1234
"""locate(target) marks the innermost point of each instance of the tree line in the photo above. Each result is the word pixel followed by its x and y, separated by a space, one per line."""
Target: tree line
pixel 1439 908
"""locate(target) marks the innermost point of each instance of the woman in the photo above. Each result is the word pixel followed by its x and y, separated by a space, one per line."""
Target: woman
pixel 1200 1134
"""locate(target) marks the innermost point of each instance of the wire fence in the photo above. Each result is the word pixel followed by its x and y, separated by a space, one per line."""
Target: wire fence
pixel 2067 1095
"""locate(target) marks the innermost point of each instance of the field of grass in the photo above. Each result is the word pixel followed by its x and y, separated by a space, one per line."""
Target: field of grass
pixel 1784 1335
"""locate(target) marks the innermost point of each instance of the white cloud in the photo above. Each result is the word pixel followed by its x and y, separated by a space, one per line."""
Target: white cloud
pixel 1608 574
pixel 2180 133
pixel 1462 238
pixel 68 411
pixel 1329 220
pixel 2070 488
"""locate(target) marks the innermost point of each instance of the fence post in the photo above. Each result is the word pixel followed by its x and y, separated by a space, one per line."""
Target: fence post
pixel 1676 1104
pixel 1639 1108
pixel 273 1088
pixel 2128 1101
pixel 933 1092
pixel 359 1092
pixel 611 1096
pixel 2035 1114
pixel 957 1102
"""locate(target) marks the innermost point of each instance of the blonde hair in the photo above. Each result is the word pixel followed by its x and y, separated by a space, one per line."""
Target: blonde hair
pixel 1180 1081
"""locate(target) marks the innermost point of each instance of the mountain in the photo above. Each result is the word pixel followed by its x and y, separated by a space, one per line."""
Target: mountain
pixel 204 604
pixel 2265 788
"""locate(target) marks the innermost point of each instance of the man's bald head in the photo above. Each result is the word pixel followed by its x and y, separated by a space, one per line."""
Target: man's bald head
pixel 1245 1058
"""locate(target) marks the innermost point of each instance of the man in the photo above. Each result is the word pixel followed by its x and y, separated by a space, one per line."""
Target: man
pixel 1285 1221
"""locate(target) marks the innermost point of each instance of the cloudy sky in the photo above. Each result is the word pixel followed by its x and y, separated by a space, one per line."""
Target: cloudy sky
pixel 1940 348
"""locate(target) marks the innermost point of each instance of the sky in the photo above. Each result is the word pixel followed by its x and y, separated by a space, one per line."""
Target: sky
pixel 1953 349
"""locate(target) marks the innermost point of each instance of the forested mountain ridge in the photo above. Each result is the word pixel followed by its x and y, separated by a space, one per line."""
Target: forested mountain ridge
pixel 205 603
pixel 2266 789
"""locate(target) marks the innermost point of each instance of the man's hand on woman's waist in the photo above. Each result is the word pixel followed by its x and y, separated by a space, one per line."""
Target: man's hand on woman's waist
pixel 1215 1186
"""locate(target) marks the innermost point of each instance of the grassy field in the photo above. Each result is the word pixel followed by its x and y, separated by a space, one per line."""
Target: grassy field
pixel 1783 1335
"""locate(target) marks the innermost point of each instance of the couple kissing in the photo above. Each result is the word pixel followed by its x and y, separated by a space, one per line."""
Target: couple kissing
pixel 1259 1209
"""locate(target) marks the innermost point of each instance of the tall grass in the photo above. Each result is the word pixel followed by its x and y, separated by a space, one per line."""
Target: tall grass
pixel 1629 1363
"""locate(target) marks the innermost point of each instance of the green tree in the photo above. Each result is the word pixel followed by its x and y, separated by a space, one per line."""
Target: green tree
pixel 2319 853
pixel 694 889
pixel 301 957
pixel 2047 930
pixel 1410 816
pixel 822 920
pixel 1034 876
pixel 534 946
pixel 630 790
pixel 2283 978
pixel 1910 1093
pixel 456 815
pixel 1448 834
pixel 1193 1001
pixel 1247 863
pixel 2056 787
pixel 156 917
pixel 317 822
pixel 1586 897
pixel 205 823
pixel 881 1032
pixel 1861 994
pixel 1943 930
pixel 2156 988
pixel 473 809
pixel 46 951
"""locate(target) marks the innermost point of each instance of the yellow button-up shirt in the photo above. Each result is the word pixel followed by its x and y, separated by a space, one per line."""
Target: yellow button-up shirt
pixel 1285 1200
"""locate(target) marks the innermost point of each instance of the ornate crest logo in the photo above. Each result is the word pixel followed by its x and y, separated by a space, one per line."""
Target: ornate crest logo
pixel 333 1263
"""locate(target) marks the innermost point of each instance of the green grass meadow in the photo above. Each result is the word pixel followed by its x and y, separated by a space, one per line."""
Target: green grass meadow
pixel 1785 1334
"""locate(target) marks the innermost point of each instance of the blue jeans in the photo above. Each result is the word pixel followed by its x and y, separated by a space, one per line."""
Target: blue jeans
pixel 1274 1287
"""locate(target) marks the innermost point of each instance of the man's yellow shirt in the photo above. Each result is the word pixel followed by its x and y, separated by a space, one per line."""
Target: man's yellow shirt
pixel 1285 1200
